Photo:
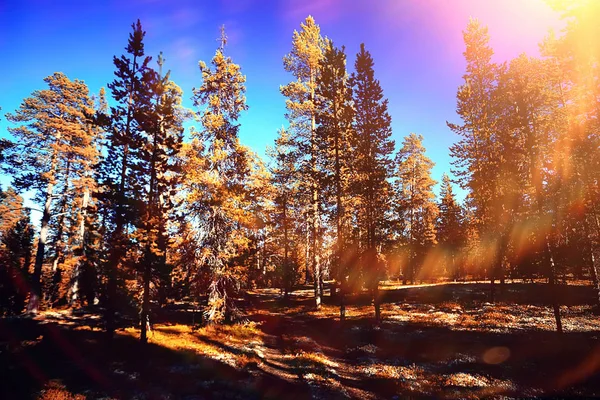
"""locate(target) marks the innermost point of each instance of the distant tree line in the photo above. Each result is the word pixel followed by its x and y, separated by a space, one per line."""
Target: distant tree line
pixel 134 213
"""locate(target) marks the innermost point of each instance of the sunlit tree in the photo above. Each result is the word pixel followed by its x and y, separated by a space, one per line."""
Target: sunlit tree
pixel 51 138
pixel 303 62
pixel 415 201
pixel 334 116
pixel 216 174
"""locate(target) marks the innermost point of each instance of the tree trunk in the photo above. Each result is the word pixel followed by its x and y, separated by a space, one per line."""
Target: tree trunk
pixel 552 282
pixel 593 243
pixel 595 277
pixel 60 245
pixel 316 257
pixel 82 243
pixel 342 296
pixel 492 284
pixel 36 279
pixel 307 253
pixel 286 267
pixel 376 301
pixel 145 314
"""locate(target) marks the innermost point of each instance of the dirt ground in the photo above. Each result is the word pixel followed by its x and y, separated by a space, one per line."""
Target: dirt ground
pixel 435 341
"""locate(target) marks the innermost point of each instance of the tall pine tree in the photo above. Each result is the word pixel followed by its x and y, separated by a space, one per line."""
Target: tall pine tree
pixel 372 166
pixel 304 63
pixel 334 115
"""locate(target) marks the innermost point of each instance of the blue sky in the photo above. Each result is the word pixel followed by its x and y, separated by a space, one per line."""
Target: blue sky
pixel 417 47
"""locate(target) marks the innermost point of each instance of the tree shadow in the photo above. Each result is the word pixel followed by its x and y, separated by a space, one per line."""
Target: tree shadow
pixel 511 362
pixel 40 356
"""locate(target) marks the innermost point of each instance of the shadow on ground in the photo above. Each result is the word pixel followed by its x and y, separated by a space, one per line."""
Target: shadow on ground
pixel 54 361
pixel 305 354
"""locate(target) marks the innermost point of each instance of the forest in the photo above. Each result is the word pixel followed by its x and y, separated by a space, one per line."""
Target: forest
pixel 170 260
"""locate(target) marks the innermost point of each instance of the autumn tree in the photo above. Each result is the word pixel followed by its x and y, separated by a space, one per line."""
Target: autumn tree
pixel 16 239
pixel 51 139
pixel 216 171
pixel 304 63
pixel 258 257
pixel 85 231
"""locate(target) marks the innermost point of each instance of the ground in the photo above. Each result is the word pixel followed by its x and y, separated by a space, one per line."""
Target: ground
pixel 435 341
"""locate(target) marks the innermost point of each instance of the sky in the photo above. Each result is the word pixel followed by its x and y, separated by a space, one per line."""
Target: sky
pixel 417 47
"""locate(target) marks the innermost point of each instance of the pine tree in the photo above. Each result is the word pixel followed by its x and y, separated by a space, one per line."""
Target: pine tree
pixel 450 229
pixel 16 237
pixel 303 62
pixel 157 171
pixel 216 172
pixel 51 139
pixel 260 206
pixel 478 154
pixel 86 234
pixel 285 184
pixel 123 140
pixel 334 115
pixel 372 164
pixel 11 209
pixel 414 191
pixel 572 63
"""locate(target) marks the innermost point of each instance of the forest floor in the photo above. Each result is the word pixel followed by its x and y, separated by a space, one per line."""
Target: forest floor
pixel 435 341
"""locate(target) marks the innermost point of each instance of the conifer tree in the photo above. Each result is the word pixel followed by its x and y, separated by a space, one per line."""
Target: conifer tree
pixel 450 229
pixel 216 172
pixel 372 166
pixel 415 201
pixel 285 185
pixel 260 207
pixel 303 62
pixel 334 115
pixel 123 140
pixel 574 59
pixel 478 154
pixel 16 239
pixel 158 169
pixel 51 137
pixel 11 209
pixel 86 234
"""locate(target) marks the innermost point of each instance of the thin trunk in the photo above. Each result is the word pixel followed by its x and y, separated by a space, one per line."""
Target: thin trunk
pixel 377 301
pixel 36 279
pixel 594 267
pixel 151 240
pixel 307 253
pixel 316 257
pixel 60 245
pixel 83 243
pixel 593 239
pixel 145 314
pixel 552 284
pixel 492 283
pixel 595 276
pixel 286 266
pixel 118 235
pixel 36 284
